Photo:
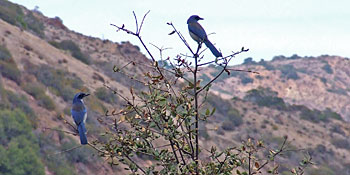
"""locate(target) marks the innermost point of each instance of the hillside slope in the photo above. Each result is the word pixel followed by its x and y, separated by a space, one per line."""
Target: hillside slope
pixel 43 64
pixel 317 82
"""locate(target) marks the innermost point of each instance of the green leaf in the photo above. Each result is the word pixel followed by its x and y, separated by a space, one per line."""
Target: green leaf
pixel 207 112
pixel 190 85
pixel 213 111
pixel 115 69
pixel 152 125
pixel 208 87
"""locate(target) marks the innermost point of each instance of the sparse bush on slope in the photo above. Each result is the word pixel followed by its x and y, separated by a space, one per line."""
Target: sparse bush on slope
pixel 74 50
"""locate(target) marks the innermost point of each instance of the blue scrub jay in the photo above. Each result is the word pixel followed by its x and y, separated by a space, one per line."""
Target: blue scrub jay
pixel 198 34
pixel 79 115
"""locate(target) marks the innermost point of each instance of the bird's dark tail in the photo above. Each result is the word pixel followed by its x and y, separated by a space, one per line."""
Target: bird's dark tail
pixel 212 48
pixel 82 133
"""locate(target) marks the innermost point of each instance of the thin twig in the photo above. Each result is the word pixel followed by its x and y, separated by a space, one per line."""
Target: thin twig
pixel 274 155
pixel 181 37
pixel 223 58
pixel 160 50
pixel 216 77
pixel 240 70
pixel 143 19
pixel 67 150
pixel 132 161
pixel 137 26
pixel 196 108
pixel 68 132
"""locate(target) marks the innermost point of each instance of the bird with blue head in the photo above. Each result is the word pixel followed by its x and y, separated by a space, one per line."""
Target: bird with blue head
pixel 198 34
pixel 79 115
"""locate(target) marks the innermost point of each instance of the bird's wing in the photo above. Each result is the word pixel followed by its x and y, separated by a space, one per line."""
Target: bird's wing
pixel 196 29
pixel 78 113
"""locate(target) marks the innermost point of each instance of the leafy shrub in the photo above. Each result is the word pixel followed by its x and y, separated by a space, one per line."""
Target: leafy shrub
pixel 265 97
pixel 14 124
pixel 245 80
pixel 331 114
pixel 288 71
pixel 228 126
pixel 67 111
pixel 62 82
pixel 337 129
pixel 327 68
pixel 37 91
pixel 267 65
pixel 18 159
pixel 226 112
pixel 279 58
pixel 235 117
pixel 106 95
pixel 316 115
pixel 249 60
pixel 8 67
pixel 18 149
pixel 324 80
pixel 311 115
pixel 233 120
pixel 46 102
pixel 82 155
pixel 62 164
pixel 5 54
pixel 54 44
pixel 294 57
pixel 259 77
pixel 67 93
pixel 339 91
pixel 59 165
pixel 10 12
pixel 34 24
pixel 232 123
pixel 10 71
pixel 76 82
pixel 221 105
pixel 95 105
pixel 341 143
pixel 20 101
pixel 73 48
pixel 13 14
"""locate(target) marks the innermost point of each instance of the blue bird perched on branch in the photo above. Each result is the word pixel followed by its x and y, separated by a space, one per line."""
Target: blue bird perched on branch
pixel 79 115
pixel 198 34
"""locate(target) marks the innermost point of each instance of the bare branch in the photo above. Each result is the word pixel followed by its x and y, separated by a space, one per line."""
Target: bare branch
pixel 143 19
pixel 223 58
pixel 216 77
pixel 67 150
pixel 247 71
pixel 137 26
pixel 68 132
pixel 181 37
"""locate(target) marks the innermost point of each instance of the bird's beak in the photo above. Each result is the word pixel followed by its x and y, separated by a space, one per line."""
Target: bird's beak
pixel 86 95
pixel 201 18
